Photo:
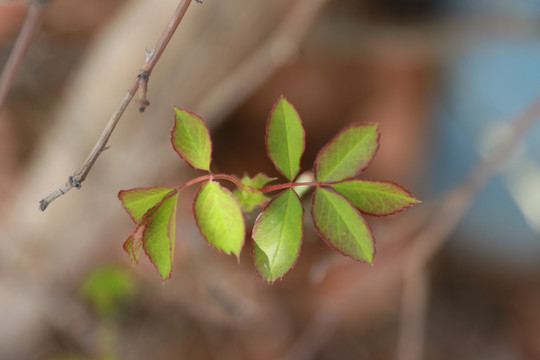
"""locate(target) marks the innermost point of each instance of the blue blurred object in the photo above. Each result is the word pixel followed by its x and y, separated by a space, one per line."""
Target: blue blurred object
pixel 515 7
pixel 486 88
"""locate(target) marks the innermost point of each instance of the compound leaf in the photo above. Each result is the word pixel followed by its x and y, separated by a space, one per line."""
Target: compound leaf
pixel 190 139
pixel 139 200
pixel 285 138
pixel 219 218
pixel 377 198
pixel 250 198
pixel 159 235
pixel 348 153
pixel 341 225
pixel 277 236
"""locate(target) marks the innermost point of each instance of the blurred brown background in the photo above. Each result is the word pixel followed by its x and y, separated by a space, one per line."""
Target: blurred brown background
pixel 66 288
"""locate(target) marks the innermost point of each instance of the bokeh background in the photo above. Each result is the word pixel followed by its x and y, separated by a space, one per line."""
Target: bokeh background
pixel 444 78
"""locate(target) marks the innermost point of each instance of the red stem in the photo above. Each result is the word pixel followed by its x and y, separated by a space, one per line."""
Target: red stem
pixel 240 185
pixel 287 185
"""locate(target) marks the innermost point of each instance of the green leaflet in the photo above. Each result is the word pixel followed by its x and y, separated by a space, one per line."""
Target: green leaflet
pixel 138 201
pixel 285 138
pixel 341 225
pixel 159 236
pixel 190 139
pixel 348 153
pixel 249 199
pixel 220 218
pixel 378 198
pixel 277 236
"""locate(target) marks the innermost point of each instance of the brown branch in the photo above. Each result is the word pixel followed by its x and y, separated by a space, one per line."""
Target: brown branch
pixel 16 57
pixel 435 234
pixel 141 81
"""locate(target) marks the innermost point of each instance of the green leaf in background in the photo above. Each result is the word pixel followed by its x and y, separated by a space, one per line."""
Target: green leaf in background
pixel 377 198
pixel 249 199
pixel 137 201
pixel 190 139
pixel 220 218
pixel 285 138
pixel 159 236
pixel 348 153
pixel 106 288
pixel 277 236
pixel 341 225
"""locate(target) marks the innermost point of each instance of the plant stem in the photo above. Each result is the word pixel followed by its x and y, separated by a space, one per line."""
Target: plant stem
pixel 287 185
pixel 16 57
pixel 240 185
pixel 153 57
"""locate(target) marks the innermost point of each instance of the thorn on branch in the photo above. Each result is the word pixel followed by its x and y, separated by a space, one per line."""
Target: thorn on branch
pixel 143 86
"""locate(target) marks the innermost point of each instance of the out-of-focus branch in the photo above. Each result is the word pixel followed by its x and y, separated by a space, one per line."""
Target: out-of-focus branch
pixel 408 257
pixel 413 312
pixel 430 239
pixel 16 57
pixel 280 47
pixel 141 81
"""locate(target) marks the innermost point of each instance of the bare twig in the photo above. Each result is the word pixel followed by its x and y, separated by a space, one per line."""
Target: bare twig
pixel 33 19
pixel 435 234
pixel 141 81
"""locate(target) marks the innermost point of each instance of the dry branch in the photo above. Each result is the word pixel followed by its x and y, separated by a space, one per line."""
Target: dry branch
pixel 141 81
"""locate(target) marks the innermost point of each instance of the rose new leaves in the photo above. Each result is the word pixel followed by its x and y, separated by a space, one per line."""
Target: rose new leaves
pixel 339 199
pixel 154 211
pixel 376 198
pixel 248 196
pixel 190 139
pixel 348 154
pixel 341 225
pixel 220 218
pixel 285 138
pixel 277 236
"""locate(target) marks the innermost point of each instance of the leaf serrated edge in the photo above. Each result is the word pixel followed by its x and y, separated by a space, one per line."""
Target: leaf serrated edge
pixel 207 130
pixel 119 195
pixel 200 231
pixel 144 220
pixel 368 163
pixel 170 246
pixel 328 242
pixel 303 136
pixel 376 181
pixel 252 248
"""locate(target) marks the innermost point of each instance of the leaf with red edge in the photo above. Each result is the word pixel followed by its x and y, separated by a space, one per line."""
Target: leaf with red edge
pixel 134 242
pixel 341 225
pixel 348 153
pixel 191 140
pixel 285 138
pixel 250 198
pixel 159 236
pixel 220 218
pixel 139 200
pixel 277 236
pixel 377 198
